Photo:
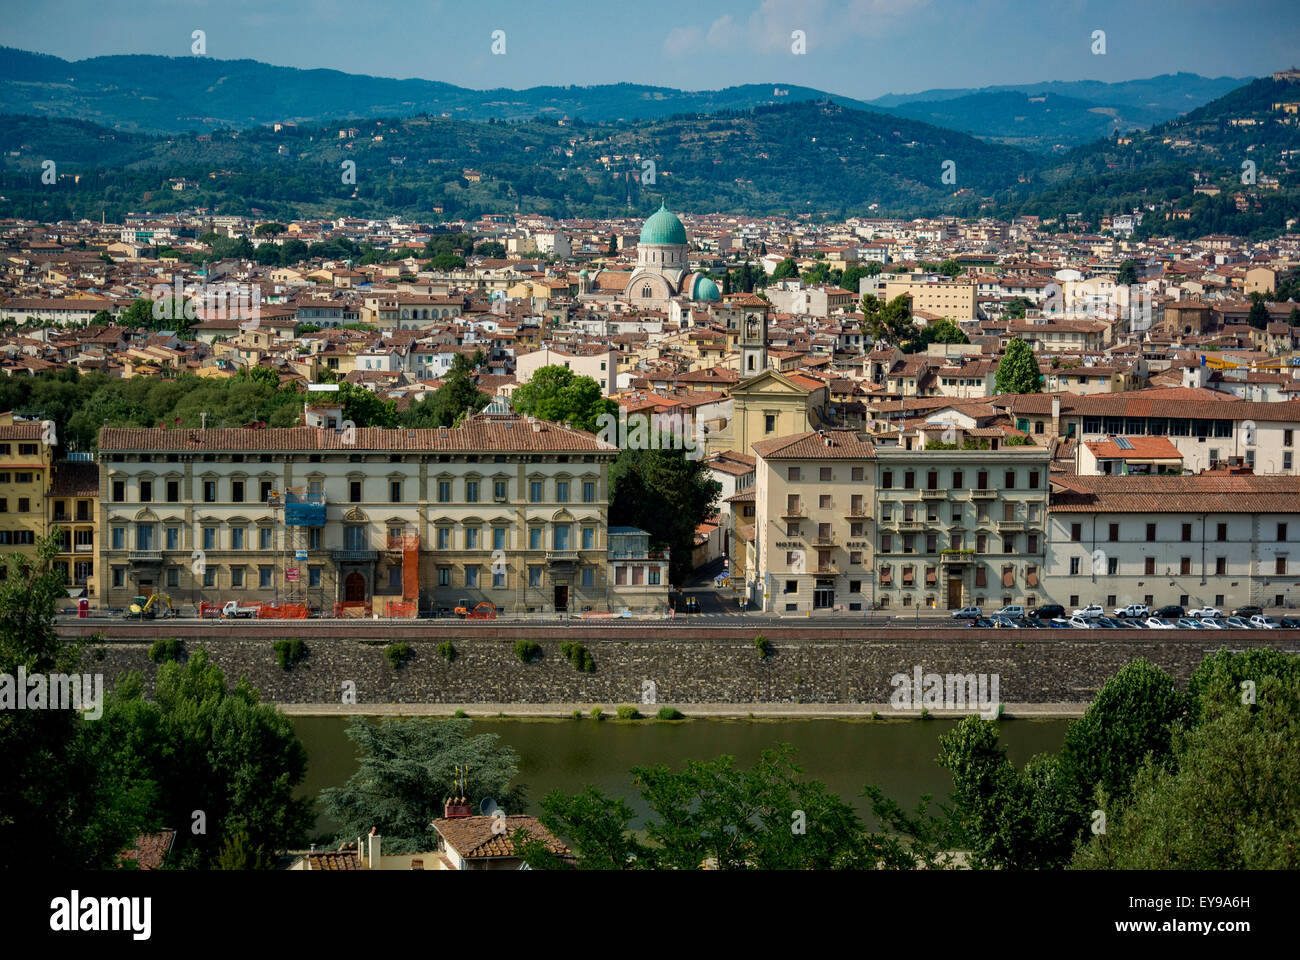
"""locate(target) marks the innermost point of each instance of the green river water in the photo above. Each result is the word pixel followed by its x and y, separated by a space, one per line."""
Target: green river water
pixel 569 755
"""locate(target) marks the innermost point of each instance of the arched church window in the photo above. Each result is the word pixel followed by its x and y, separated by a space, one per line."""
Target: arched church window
pixel 645 291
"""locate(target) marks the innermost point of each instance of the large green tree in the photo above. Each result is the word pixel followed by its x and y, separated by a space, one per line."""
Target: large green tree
pixel 1226 796
pixel 1018 369
pixel 666 493
pixel 454 399
pixel 710 815
pixel 889 322
pixel 61 807
pixel 785 270
pixel 557 394
pixel 224 763
pixel 408 768
pixel 365 408
pixel 1258 316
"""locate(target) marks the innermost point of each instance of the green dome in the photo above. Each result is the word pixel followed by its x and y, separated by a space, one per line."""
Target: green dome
pixel 663 227
pixel 705 289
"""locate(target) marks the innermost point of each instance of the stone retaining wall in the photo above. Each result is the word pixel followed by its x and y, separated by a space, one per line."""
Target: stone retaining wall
pixel 812 669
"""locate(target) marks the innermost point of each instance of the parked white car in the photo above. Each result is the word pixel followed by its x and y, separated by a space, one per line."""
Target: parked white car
pixel 1264 623
pixel 1090 611
pixel 1156 623
pixel 1209 623
pixel 1082 623
pixel 1138 611
pixel 1200 613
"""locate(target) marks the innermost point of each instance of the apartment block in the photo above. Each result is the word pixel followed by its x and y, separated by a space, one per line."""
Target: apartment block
pixel 26 465
pixel 1219 538
pixel 73 510
pixel 960 527
pixel 813 529
pixel 954 299
pixel 503 508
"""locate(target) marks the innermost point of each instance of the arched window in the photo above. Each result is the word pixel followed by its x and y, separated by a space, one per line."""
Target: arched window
pixel 645 291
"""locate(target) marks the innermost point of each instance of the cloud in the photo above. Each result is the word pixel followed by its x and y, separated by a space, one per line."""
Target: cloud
pixel 769 27
pixel 682 41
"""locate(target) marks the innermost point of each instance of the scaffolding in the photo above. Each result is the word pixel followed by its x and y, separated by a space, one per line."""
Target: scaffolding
pixel 407 544
pixel 302 510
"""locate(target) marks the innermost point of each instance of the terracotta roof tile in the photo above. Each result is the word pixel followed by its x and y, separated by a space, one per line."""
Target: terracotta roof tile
pixel 1199 493
pixel 478 435
pixel 478 837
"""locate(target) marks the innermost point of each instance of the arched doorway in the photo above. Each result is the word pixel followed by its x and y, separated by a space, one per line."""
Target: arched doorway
pixel 354 588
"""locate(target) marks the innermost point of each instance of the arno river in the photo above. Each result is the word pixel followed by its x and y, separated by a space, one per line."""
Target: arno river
pixel 569 755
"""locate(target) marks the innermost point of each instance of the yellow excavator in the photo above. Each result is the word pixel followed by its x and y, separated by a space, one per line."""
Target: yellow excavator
pixel 147 608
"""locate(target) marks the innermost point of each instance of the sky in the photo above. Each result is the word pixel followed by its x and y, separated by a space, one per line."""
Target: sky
pixel 857 48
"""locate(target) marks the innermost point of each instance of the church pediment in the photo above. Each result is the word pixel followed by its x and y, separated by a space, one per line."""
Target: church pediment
pixel 768 383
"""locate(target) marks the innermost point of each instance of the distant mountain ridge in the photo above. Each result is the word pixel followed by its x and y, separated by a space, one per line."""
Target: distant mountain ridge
pixel 155 94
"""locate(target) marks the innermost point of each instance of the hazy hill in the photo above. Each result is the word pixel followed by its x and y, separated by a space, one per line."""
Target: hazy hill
pixel 197 94
pixel 795 157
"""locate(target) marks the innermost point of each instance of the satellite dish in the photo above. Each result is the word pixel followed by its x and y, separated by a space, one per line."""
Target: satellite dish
pixel 487 806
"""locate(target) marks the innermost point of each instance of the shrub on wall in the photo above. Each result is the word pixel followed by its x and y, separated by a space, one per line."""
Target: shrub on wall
pixel 397 654
pixel 290 652
pixel 165 649
pixel 527 651
pixel 579 656
pixel 447 651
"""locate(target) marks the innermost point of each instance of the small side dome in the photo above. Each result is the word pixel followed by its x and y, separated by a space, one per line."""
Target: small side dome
pixel 705 289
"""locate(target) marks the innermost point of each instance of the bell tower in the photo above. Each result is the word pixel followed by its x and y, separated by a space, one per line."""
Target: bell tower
pixel 752 335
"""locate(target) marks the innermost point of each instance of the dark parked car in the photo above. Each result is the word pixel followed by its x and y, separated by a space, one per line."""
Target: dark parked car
pixel 1048 611
pixel 982 623
pixel 1247 612
pixel 1171 612
pixel 1290 623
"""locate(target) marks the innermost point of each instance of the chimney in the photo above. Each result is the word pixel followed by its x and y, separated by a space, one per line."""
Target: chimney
pixel 456 808
pixel 1056 414
pixel 373 859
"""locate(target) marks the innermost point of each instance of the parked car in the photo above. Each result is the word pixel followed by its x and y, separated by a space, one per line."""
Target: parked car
pixel 1187 623
pixel 1200 613
pixel 1058 623
pixel 1049 611
pixel 1014 610
pixel 1247 612
pixel 1159 623
pixel 1090 612
pixel 1170 612
pixel 1236 623
pixel 981 623
pixel 1108 623
pixel 1261 622
pixel 1082 623
pixel 1212 623
pixel 1289 623
pixel 1133 610
pixel 967 613
pixel 1007 623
